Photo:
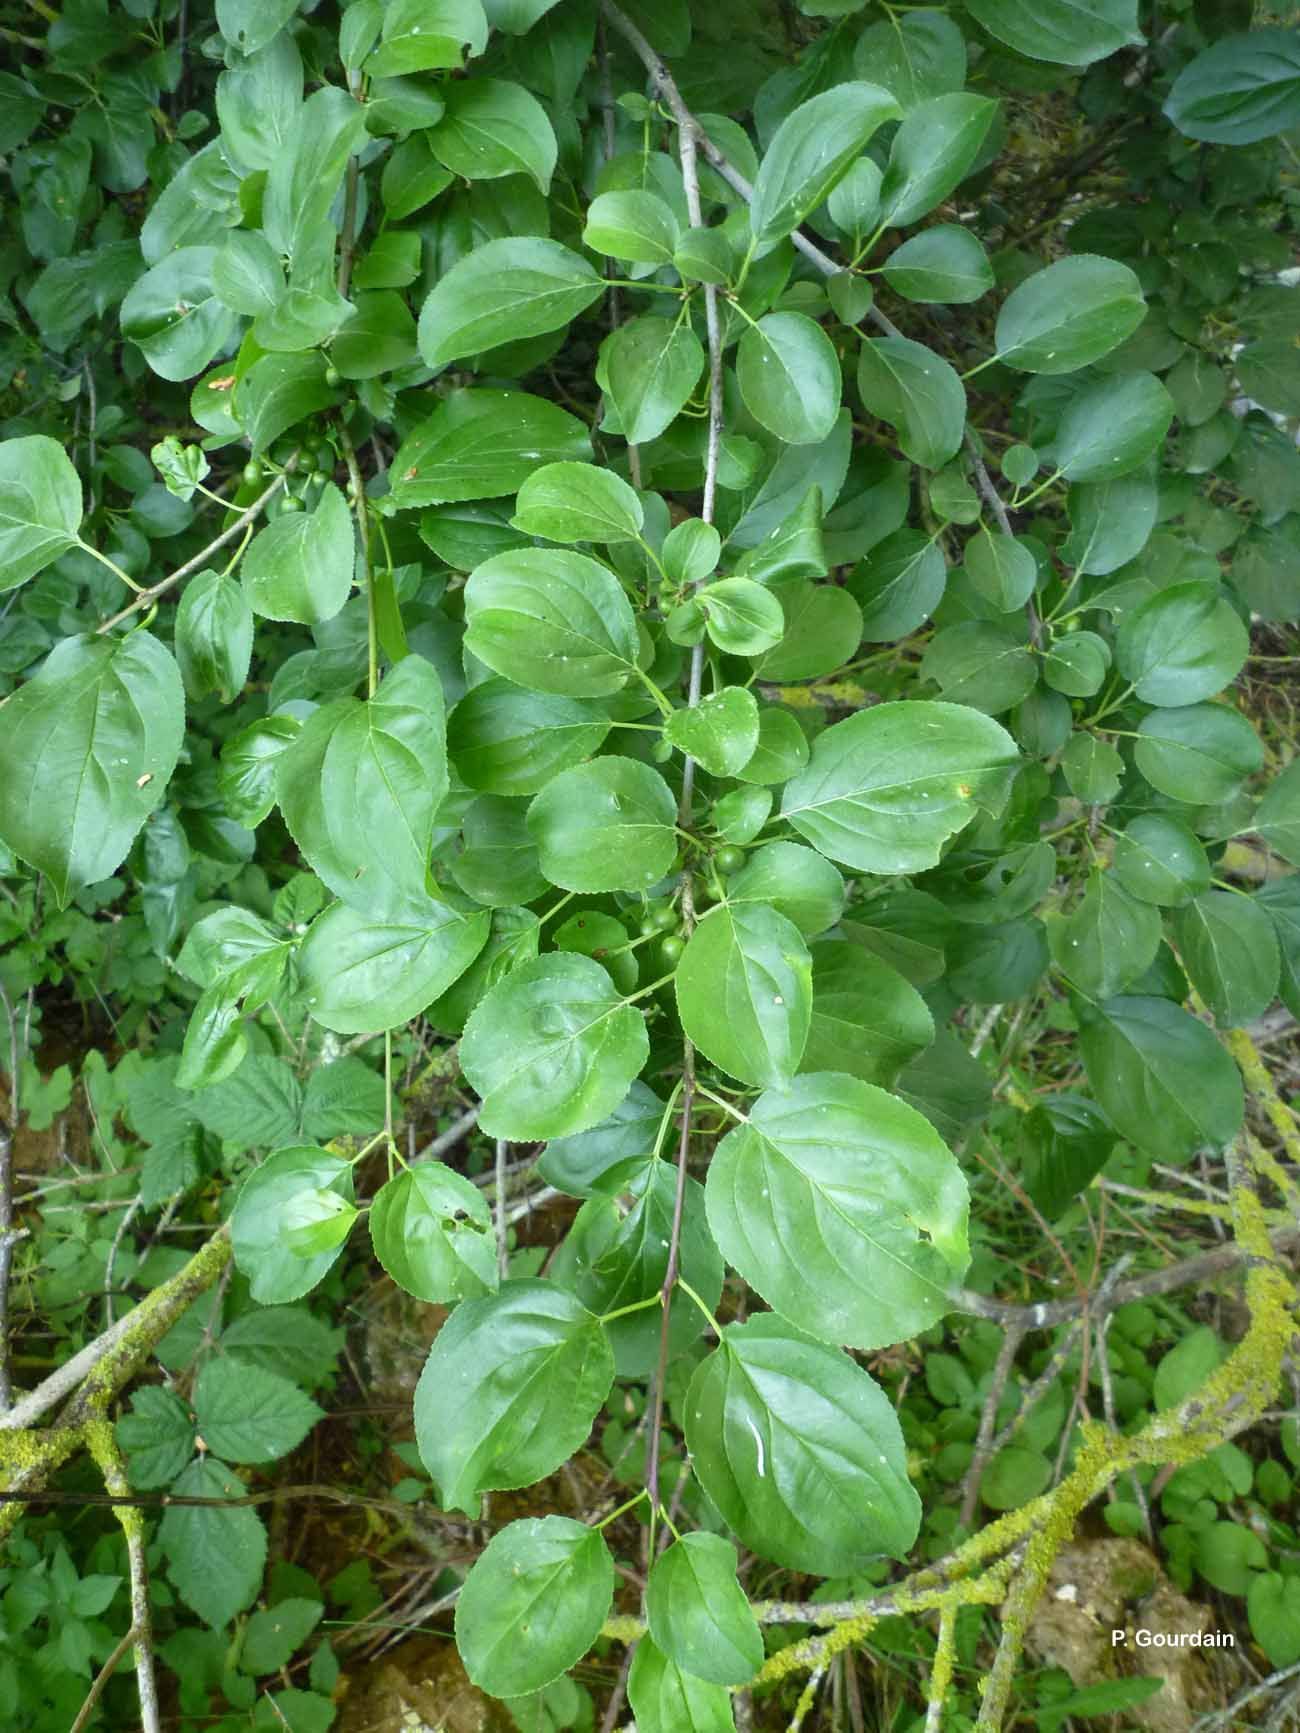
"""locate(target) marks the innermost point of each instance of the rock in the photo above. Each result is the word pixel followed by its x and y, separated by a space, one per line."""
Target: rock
pixel 421 1687
pixel 1100 1586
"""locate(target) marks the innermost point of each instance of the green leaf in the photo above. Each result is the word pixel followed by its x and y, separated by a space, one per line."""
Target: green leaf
pixel 781 751
pixel 885 789
pixel 480 444
pixel 666 1698
pixel 720 732
pixel 1107 940
pixel 944 263
pixel 1076 664
pixel 649 367
pixel 40 507
pixel 277 1275
pixel 699 1616
pixel 867 1021
pixel 553 620
pixel 1229 949
pixel 1273 1606
pixel 1013 1477
pixel 86 750
pixel 1159 860
pixel 247 1414
pixel 1071 32
pixel 1065 1141
pixel 213 637
pixel 157 1436
pixel 918 393
pixel 432 1232
pixel 1185 1367
pixel 789 377
pixel 300 567
pixel 605 826
pixel 632 224
pixel 1201 754
pixel 552 1049
pixel 1240 89
pixel 533 1604
pixel 898 585
pixel 577 502
pixel 611 1151
pixel 247 774
pixel 933 150
pixel 1162 1078
pixel 742 617
pixel 1183 644
pixel 215 1557
pixel 361 973
pixel 360 785
pixel 516 16
pixel 173 316
pixel 273 1636
pixel 1113 428
pixel 506 740
pixel 795 881
pixel 1277 818
pixel 916 56
pixel 809 152
pixel 744 992
pixel 530 1368
pixel 248 26
pixel 304 176
pixel 1002 569
pixel 843 1208
pixel 503 291
pixel 423 35
pixel 800 1450
pixel 278 391
pixel 492 128
pixel 1069 314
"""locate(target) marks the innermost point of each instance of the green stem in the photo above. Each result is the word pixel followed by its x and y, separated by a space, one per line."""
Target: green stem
pixel 112 566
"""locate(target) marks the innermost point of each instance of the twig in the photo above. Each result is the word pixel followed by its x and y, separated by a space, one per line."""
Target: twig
pixel 241 523
pixel 458 1130
pixel 1014 1336
pixel 655 1440
pixel 101 1679
pixel 108 1459
pixel 941 1669
pixel 503 1242
pixel 8 1236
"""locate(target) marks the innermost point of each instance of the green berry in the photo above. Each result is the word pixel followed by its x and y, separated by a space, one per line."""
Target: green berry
pixel 648 927
pixel 333 377
pixel 252 472
pixel 291 503
pixel 671 947
pixel 729 859
pixel 664 917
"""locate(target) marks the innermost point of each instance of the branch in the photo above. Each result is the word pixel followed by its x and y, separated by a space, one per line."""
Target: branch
pixel 199 560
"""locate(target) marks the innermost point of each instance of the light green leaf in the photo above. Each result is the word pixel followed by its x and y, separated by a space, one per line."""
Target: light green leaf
pixel 275 1634
pixel 699 1616
pixel 306 173
pixel 944 263
pixel 360 785
pixel 533 1604
pixel 809 152
pixel 867 1021
pixel 1201 754
pixel 40 507
pixel 797 882
pixel 277 1275
pixel 649 367
pixel 1070 32
pixel 1159 860
pixel 918 393
pixel 300 567
pixel 1002 569
pixel 215 1557
pixel 553 620
pixel 249 26
pixel 742 617
pixel 800 1450
pixel 246 1414
pixel 577 502
pixel 86 750
pixel 843 1208
pixel 789 376
pixel 527 1369
pixel 1069 314
pixel 423 35
pixel 666 1698
pixel 1277 818
pixel 744 991
pixel 552 1049
pixel 480 444
pixel 493 128
pixel 503 291
pixel 915 55
pixel 174 317
pixel 720 732
pixel 605 826
pixel 506 740
pixel 1113 428
pixel 1107 940
pixel 632 224
pixel 361 973
pixel 1184 644
pixel 432 1232
pixel 885 789
pixel 933 150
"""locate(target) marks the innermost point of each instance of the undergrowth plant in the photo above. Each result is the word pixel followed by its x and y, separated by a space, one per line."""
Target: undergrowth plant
pixel 685 557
